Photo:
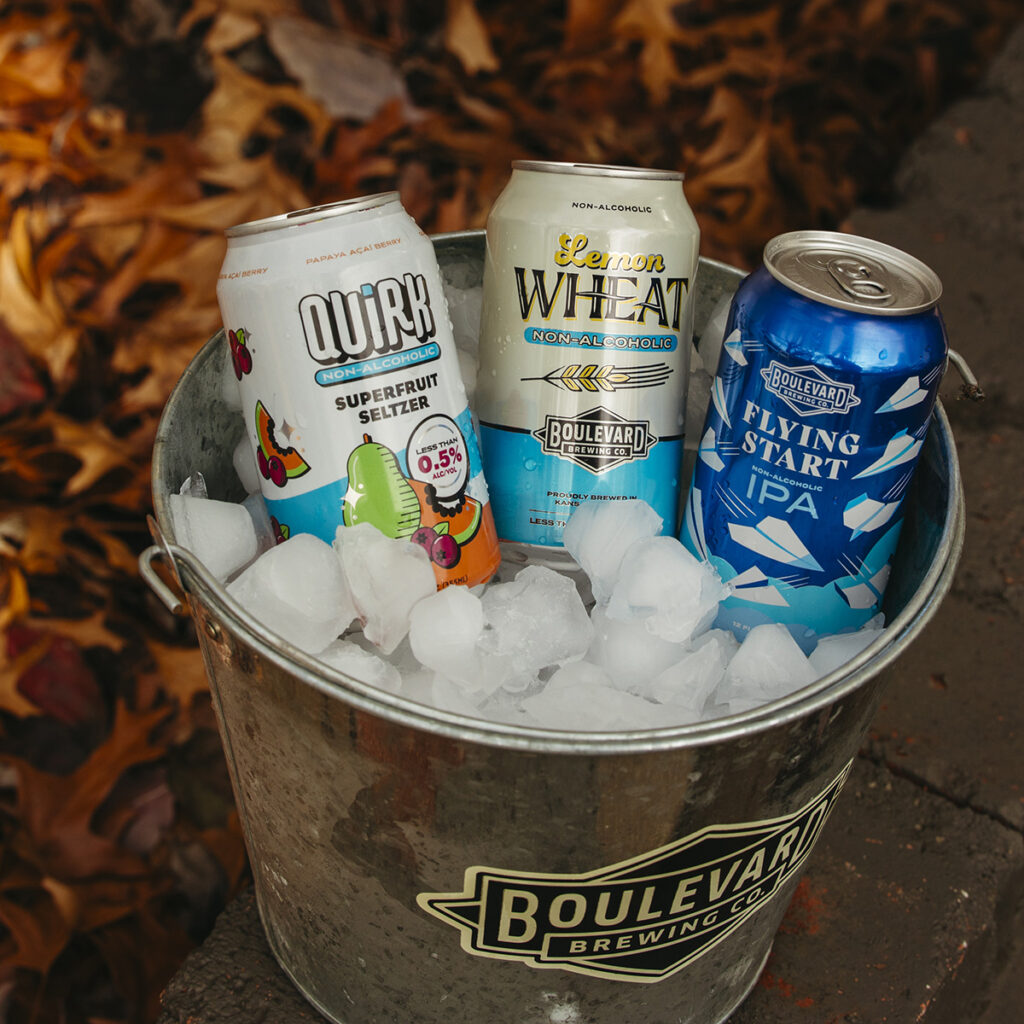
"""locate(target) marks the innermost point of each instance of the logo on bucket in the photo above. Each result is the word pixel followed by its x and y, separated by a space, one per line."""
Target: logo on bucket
pixel 642 919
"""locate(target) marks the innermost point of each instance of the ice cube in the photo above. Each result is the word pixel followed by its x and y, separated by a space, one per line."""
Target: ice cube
pixel 464 296
pixel 833 651
pixel 663 585
pixel 713 335
pixel 447 695
pixel 444 631
pixel 580 673
pixel 468 368
pixel 244 461
pixel 586 706
pixel 769 665
pixel 386 576
pixel 194 486
pixel 352 660
pixel 297 589
pixel 538 619
pixel 257 509
pixel 629 655
pixel 598 534
pixel 691 680
pixel 220 534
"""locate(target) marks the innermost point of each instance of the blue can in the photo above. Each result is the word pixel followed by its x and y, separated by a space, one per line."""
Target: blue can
pixel 833 354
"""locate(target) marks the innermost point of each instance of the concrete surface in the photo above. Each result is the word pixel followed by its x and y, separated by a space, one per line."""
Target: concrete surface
pixel 910 909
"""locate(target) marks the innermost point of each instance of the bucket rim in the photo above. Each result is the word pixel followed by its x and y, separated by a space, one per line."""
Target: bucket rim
pixel 813 697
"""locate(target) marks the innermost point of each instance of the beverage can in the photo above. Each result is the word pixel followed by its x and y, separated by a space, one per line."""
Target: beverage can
pixel 584 346
pixel 353 400
pixel 833 354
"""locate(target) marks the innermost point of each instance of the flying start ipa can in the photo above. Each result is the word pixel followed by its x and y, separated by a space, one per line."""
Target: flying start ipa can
pixel 341 342
pixel 833 354
pixel 584 346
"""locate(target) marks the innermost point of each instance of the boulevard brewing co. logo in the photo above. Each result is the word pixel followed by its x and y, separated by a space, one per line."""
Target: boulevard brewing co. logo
pixel 807 390
pixel 640 920
pixel 598 439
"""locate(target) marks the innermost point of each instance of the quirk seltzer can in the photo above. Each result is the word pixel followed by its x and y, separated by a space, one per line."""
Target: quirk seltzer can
pixel 584 346
pixel 340 338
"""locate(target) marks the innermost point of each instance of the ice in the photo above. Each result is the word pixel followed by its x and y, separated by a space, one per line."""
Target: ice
pixel 465 298
pixel 691 681
pixel 444 633
pixel 194 486
pixel 629 654
pixel 587 705
pixel 352 660
pixel 434 690
pixel 386 577
pixel 297 589
pixel 468 367
pixel 538 619
pixel 244 462
pixel 662 584
pixel 257 509
pixel 713 335
pixel 598 534
pixel 833 651
pixel 220 534
pixel 768 665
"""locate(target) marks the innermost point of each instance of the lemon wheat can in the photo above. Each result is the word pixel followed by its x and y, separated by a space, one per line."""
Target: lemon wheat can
pixel 584 345
pixel 340 339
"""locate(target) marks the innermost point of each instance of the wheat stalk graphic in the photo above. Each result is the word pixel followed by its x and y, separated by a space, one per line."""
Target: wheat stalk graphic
pixel 606 377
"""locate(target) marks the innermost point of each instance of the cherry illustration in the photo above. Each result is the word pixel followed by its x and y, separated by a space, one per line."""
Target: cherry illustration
pixel 276 471
pixel 446 551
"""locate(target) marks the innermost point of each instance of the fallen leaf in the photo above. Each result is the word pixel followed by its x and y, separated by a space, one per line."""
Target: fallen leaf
pixel 349 79
pixel 466 36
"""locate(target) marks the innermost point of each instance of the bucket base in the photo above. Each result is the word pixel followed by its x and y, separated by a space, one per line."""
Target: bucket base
pixel 329 1015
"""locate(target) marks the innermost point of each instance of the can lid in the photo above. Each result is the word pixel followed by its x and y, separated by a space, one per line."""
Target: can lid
pixel 851 272
pixel 598 170
pixel 312 214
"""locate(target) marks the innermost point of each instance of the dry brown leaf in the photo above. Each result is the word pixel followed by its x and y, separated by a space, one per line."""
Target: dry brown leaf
pixel 56 811
pixel 231 30
pixel 654 24
pixel 40 931
pixel 349 79
pixel 466 36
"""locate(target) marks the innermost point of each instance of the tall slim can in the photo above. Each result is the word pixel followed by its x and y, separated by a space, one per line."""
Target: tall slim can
pixel 353 400
pixel 584 346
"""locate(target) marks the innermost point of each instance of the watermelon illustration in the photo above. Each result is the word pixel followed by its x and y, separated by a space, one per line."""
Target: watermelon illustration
pixel 275 462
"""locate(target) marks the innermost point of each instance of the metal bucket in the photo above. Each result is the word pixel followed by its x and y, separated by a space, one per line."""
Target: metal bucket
pixel 416 865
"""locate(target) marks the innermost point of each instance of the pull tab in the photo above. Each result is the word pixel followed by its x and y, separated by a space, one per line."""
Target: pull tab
pixel 860 280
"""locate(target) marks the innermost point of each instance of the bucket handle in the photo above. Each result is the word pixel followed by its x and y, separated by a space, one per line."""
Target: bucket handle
pixel 161 551
pixel 174 603
pixel 969 388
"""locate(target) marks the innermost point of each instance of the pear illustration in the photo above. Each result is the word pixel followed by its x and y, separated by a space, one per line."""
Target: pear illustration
pixel 378 491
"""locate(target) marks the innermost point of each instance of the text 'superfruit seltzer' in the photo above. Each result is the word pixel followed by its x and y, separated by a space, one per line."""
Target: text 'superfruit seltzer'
pixel 340 339
pixel 584 346
pixel 833 354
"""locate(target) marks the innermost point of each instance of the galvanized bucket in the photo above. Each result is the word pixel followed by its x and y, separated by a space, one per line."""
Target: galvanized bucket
pixel 416 865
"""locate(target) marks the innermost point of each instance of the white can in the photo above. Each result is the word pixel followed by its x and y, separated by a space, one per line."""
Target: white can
pixel 350 384
pixel 584 346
